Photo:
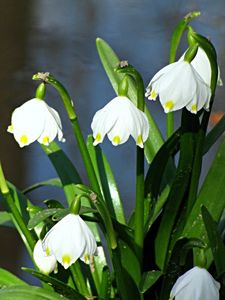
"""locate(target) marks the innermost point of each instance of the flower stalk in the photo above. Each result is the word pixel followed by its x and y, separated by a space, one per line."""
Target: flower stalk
pixel 139 205
pixel 67 101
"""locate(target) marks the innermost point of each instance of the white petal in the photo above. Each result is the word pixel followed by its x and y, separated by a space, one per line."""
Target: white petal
pixel 197 283
pixel 35 120
pixel 177 88
pixel 46 263
pixel 28 120
pixel 69 240
pixel 119 119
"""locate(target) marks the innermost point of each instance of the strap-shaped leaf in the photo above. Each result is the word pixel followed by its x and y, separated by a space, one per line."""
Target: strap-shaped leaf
pixel 174 200
pixel 106 181
pixel 59 286
pixel 64 168
pixel 5 219
pixel 8 279
pixel 215 241
pixel 109 61
pixel 50 182
pixel 148 279
pixel 28 293
pixel 212 196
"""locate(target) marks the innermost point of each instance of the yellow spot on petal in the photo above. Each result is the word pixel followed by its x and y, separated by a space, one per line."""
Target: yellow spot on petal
pixel 24 139
pixel 86 258
pixel 47 251
pixel 116 140
pixel 194 108
pixel 169 105
pixel 66 260
pixel 98 137
pixel 10 128
pixel 153 95
pixel 45 140
pixel 139 140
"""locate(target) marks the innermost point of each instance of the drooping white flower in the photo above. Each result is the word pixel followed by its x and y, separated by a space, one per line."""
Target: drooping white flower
pixel 202 66
pixel 179 85
pixel 35 120
pixel 195 284
pixel 119 119
pixel 69 240
pixel 45 262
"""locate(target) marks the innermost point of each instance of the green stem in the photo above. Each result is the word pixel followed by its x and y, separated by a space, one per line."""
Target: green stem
pixel 75 125
pixel 170 123
pixel 79 279
pixel 85 155
pixel 24 232
pixel 139 206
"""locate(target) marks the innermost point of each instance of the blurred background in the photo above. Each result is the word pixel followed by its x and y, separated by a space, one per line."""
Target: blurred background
pixel 59 37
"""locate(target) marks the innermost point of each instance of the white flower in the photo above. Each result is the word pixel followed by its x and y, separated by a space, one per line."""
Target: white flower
pixel 202 66
pixel 35 120
pixel 45 262
pixel 195 284
pixel 179 85
pixel 119 119
pixel 69 240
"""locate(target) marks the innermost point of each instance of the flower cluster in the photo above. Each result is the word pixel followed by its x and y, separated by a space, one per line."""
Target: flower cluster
pixel 66 241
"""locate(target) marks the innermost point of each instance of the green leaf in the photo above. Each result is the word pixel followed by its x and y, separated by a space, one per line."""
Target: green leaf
pixel 50 182
pixel 215 241
pixel 8 279
pixel 175 198
pixel 41 216
pixel 105 284
pixel 178 32
pixel 106 181
pixel 64 168
pixel 211 195
pixel 148 279
pixel 109 61
pixel 28 293
pixel 155 172
pixel 127 287
pixel 59 286
pixel 214 134
pixel 5 219
pixel 52 203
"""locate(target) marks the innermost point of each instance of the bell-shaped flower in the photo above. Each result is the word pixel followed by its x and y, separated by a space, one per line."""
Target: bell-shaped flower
pixel 119 119
pixel 202 66
pixel 35 120
pixel 195 284
pixel 69 240
pixel 179 85
pixel 45 262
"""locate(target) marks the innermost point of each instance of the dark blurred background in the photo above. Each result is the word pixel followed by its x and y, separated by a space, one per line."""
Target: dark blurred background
pixel 59 37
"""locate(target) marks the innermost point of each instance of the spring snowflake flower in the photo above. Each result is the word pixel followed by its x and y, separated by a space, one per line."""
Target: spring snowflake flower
pixel 202 66
pixel 69 240
pixel 35 120
pixel 119 119
pixel 45 262
pixel 179 85
pixel 195 284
